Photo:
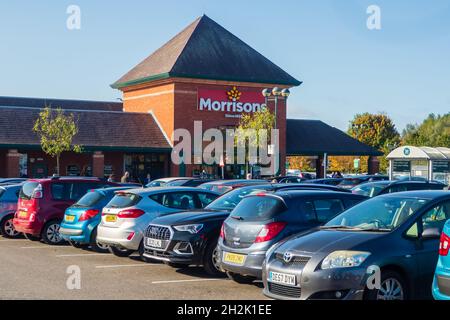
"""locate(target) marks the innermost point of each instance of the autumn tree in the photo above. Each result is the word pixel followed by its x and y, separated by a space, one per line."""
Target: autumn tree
pixel 56 131
pixel 376 130
pixel 434 131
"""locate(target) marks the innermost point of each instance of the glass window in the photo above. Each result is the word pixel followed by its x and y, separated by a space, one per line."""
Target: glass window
pixel 230 200
pixel 89 199
pixel 206 198
pixel 307 210
pixel 61 191
pixel 327 209
pixel 258 208
pixel 436 217
pixel 124 200
pixel 176 200
pixel 398 188
pixel 27 190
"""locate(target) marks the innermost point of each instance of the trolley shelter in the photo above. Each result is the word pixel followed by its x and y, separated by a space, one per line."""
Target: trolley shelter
pixel 426 162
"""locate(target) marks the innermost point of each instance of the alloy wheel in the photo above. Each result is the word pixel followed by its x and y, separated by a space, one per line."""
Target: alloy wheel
pixel 102 246
pixel 216 259
pixel 391 289
pixel 53 233
pixel 9 229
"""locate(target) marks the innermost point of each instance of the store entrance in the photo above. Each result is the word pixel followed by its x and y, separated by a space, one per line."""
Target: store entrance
pixel 140 165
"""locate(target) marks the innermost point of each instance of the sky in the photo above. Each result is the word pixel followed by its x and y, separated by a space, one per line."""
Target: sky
pixel 402 69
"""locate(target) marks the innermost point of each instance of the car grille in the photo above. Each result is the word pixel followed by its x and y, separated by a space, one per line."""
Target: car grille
pixel 296 261
pixel 444 285
pixel 286 291
pixel 158 232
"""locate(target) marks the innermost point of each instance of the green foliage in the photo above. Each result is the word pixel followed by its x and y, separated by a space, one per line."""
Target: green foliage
pixel 434 131
pixel 258 121
pixel 376 130
pixel 56 131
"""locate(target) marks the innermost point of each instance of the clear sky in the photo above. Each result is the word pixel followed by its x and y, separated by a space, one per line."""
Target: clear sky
pixel 402 69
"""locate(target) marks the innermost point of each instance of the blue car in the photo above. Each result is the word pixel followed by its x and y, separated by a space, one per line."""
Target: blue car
pixel 441 281
pixel 80 222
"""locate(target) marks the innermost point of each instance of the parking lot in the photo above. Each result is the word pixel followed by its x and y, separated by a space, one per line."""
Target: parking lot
pixel 33 270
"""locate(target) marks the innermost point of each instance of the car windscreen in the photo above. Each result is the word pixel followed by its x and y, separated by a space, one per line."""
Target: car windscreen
pixel 89 199
pixel 230 200
pixel 124 200
pixel 369 190
pixel 176 183
pixel 258 208
pixel 27 190
pixel 379 213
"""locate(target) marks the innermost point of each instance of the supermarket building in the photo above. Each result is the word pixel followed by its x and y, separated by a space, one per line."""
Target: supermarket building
pixel 204 73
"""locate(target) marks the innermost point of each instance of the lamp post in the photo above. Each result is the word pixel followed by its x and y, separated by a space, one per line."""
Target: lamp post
pixel 276 93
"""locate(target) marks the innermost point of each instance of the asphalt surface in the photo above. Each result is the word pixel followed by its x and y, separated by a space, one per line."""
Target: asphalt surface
pixel 33 270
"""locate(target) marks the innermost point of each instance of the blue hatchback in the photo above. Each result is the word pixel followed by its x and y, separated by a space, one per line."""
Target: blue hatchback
pixel 80 222
pixel 441 281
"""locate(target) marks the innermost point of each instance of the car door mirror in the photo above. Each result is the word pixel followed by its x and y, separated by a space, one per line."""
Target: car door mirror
pixel 431 233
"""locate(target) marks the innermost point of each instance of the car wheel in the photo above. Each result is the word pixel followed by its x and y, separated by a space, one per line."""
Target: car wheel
pixel 77 244
pixel 97 246
pixel 211 260
pixel 119 252
pixel 50 233
pixel 392 287
pixel 240 278
pixel 141 253
pixel 31 237
pixel 175 265
pixel 7 228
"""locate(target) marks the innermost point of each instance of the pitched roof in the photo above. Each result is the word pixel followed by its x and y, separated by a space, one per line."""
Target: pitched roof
pixel 97 130
pixel 206 50
pixel 60 103
pixel 314 137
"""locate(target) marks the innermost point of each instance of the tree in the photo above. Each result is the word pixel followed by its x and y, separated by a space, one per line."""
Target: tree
pixel 376 130
pixel 434 131
pixel 56 131
pixel 258 121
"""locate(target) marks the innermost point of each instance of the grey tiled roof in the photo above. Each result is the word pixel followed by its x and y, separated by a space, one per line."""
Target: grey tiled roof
pixel 314 137
pixel 207 50
pixel 102 130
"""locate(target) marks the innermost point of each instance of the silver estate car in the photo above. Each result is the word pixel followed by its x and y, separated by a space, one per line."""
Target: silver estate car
pixel 129 213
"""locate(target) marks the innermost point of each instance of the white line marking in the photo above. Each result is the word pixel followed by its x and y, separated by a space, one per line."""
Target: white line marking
pixel 192 280
pixel 11 240
pixel 127 265
pixel 40 247
pixel 81 255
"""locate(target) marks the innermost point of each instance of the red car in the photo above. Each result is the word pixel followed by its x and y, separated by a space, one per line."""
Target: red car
pixel 42 203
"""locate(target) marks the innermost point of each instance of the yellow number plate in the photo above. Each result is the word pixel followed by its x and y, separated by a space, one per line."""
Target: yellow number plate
pixel 236 259
pixel 23 214
pixel 111 218
pixel 70 218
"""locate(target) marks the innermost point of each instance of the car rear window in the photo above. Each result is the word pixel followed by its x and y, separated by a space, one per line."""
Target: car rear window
pixel 27 190
pixel 89 199
pixel 124 200
pixel 258 208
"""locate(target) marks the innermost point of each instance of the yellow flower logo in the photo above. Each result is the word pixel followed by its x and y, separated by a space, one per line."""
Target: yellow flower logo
pixel 234 94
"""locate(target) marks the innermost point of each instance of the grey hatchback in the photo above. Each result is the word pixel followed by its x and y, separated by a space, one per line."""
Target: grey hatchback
pixel 261 220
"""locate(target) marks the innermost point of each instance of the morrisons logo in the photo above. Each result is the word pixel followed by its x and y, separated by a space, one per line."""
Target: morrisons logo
pixel 233 104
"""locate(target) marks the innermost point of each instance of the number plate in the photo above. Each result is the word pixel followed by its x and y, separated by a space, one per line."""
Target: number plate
pixel 111 218
pixel 282 278
pixel 70 218
pixel 154 243
pixel 22 214
pixel 233 258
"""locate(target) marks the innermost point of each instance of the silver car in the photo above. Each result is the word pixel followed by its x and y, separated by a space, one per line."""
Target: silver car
pixel 129 213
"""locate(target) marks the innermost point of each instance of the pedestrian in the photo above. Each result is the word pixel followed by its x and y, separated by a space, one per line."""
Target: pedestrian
pixel 125 178
pixel 249 176
pixel 338 175
pixel 148 179
pixel 111 178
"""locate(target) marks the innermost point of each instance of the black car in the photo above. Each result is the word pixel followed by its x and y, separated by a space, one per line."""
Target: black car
pixel 327 181
pixel 190 238
pixel 385 248
pixel 372 189
pixel 353 181
pixel 287 179
pixel 259 221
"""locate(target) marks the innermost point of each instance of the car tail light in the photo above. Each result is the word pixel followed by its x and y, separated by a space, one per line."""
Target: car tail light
pixel 130 214
pixel 222 232
pixel 89 214
pixel 38 193
pixel 444 245
pixel 270 231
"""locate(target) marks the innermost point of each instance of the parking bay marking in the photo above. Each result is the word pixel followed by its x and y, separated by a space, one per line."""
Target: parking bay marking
pixel 83 255
pixel 189 280
pixel 127 265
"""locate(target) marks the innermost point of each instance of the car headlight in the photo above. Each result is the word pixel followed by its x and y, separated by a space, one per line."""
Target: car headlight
pixel 191 228
pixel 344 259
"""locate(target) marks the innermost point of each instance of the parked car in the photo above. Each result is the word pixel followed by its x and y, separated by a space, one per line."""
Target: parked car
pixel 224 186
pixel 441 281
pixel 8 181
pixel 42 203
pixel 396 235
pixel 8 205
pixel 353 181
pixel 190 238
pixel 287 179
pixel 81 220
pixel 259 221
pixel 327 181
pixel 372 189
pixel 177 182
pixel 128 214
